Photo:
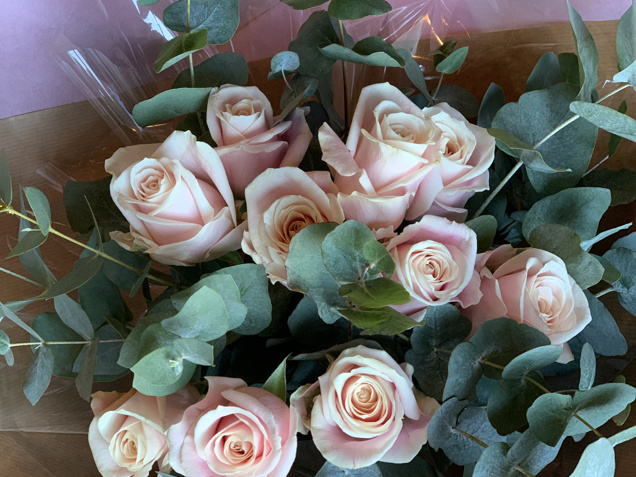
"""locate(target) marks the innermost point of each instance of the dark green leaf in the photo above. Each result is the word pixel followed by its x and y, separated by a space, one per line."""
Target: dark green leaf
pixel 203 316
pixel 283 63
pixel 51 328
pixel 626 39
pixel 354 9
pixel 170 104
pixel 599 405
pixel 372 51
pixel 302 87
pixel 606 118
pixel 220 69
pixel 597 460
pixel 6 189
pixel 5 343
pixel 83 270
pixel 464 371
pixel 533 118
pixel 588 368
pixel 219 17
pixel 379 259
pixel 580 209
pixel 546 73
pixel 619 182
pixel 376 293
pixel 13 317
pixel 452 62
pixel 588 55
pixel 140 280
pixel 31 240
pixel 522 151
pixel 101 300
pixel 494 462
pixel 459 98
pixel 32 260
pixel 566 244
pixel 493 101
pixel 316 33
pixel 549 416
pixel 444 329
pixel 306 271
pixel 379 321
pixel 533 454
pixel 602 333
pixel 97 193
pixel 41 209
pixel 38 375
pixel 485 226
pixel 179 48
pixel 615 140
pixel 509 403
pixel 73 316
pixel 414 73
pixel 84 379
pixel 532 360
pixel 304 4
pixel 277 382
pixel 130 351
pixel 123 277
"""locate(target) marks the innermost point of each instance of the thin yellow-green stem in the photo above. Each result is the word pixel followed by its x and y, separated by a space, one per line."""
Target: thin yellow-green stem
pixel 439 85
pixel 471 437
pixel 59 343
pixel 345 79
pixel 100 253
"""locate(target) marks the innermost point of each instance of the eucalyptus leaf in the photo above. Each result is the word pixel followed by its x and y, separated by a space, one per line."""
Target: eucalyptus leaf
pixel 124 278
pixel 195 351
pixel 493 101
pixel 597 460
pixel 14 318
pixel 220 18
pixel 494 462
pixel 459 98
pixel 29 241
pixel 509 402
pixel 73 316
pixel 485 226
pixel 626 38
pixel 203 316
pixel 414 73
pixel 452 62
pixel 179 48
pixel 144 386
pixel 354 9
pixel 84 379
pixel 588 55
pixel 524 152
pixel 83 270
pixel 546 73
pixel 170 104
pixel 549 416
pixel 41 209
pixel 533 454
pixel 624 260
pixel 38 375
pixel 303 4
pixel 220 69
pixel 6 189
pixel 5 343
pixel 331 470
pixel 147 3
pixel 376 293
pixel 51 328
pixel 372 51
pixel 378 321
pixel 302 87
pixel 532 360
pixel 277 382
pixel 283 63
pixel 606 118
pixel 588 368
pixel 97 193
pixel 161 367
pixel 32 260
pixel 602 333
pixel 464 372
pixel 317 32
pixel 619 182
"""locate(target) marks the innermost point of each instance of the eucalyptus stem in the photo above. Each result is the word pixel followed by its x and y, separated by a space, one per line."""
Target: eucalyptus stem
pixel 193 83
pixel 59 343
pixel 471 437
pixel 538 144
pixel 345 79
pixel 13 274
pixel 100 253
pixel 604 292
pixel 439 85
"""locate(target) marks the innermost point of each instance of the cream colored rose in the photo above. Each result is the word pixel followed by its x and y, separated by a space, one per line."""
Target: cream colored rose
pixel 242 124
pixel 177 200
pixel 533 288
pixel 434 261
pixel 465 152
pixel 365 409
pixel 280 203
pixel 128 434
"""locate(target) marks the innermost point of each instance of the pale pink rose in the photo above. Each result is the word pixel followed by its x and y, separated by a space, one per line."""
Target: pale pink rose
pixel 435 262
pixel 390 152
pixel 235 430
pixel 177 199
pixel 128 434
pixel 533 288
pixel 241 123
pixel 365 409
pixel 280 203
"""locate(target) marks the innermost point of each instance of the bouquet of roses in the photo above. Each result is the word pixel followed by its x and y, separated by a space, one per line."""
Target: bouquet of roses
pixel 390 288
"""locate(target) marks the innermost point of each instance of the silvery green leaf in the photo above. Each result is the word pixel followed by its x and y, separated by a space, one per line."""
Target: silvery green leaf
pixel 354 9
pixel 179 48
pixel 597 460
pixel 220 69
pixel 283 63
pixel 493 101
pixel 452 62
pixel 38 374
pixel 606 118
pixel 73 316
pixel 588 54
pixel 84 379
pixel 626 38
pixel 220 18
pixel 40 206
pixel 30 241
pixel 546 73
pixel 6 189
pixel 170 104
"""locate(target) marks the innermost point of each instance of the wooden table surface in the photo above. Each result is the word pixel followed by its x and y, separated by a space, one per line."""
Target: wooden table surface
pixel 73 141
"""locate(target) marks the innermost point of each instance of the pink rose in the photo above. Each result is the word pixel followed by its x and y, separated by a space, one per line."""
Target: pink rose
pixel 365 409
pixel 280 203
pixel 390 153
pixel 177 199
pixel 465 152
pixel 235 430
pixel 128 434
pixel 241 123
pixel 435 261
pixel 533 288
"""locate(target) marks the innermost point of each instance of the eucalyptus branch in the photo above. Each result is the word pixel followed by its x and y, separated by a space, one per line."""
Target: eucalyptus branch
pixel 538 144
pixel 604 292
pixel 193 82
pixel 60 343
pixel 439 85
pixel 13 274
pixel 345 79
pixel 100 253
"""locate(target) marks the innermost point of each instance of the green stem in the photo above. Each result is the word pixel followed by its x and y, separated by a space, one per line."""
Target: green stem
pixel 345 79
pixel 539 143
pixel 439 85
pixel 100 253
pixel 604 292
pixel 592 428
pixel 55 343
pixel 13 274
pixel 471 437
pixel 301 469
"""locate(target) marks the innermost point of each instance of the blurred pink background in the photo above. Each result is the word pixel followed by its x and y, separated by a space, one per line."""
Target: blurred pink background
pixel 36 34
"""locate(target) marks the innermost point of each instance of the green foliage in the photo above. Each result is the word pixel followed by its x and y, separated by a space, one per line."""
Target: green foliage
pixel 452 62
pixel 277 382
pixel 283 63
pixel 32 260
pixel 40 207
pixel 124 278
pixel 354 9
pixel 493 101
pixel 304 4
pixel 170 104
pixel 6 189
pixel 414 73
pixel 376 293
pixel 179 48
pixel 588 368
pixel 301 87
pixel 509 402
pixel 459 98
pixel 546 73
pixel 147 3
pixel 597 460
pixel 73 316
pixel 549 416
pixel 535 116
pixel 588 55
pixel 485 226
pixel 626 39
pixel 220 18
pixel 532 360
pixel 619 182
pixel 606 118
pixel 624 260
pixel 444 329
pixel 220 69
pixel 50 328
pixel 38 375
pixel 84 379
pixel 5 343
pixel 316 33
pixel 378 321
pixel 522 151
pixel 32 239
pixel 372 51
pixel 83 270
pixel 6 311
pixel 77 196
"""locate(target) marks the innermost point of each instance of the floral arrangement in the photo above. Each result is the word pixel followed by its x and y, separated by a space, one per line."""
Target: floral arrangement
pixel 390 288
